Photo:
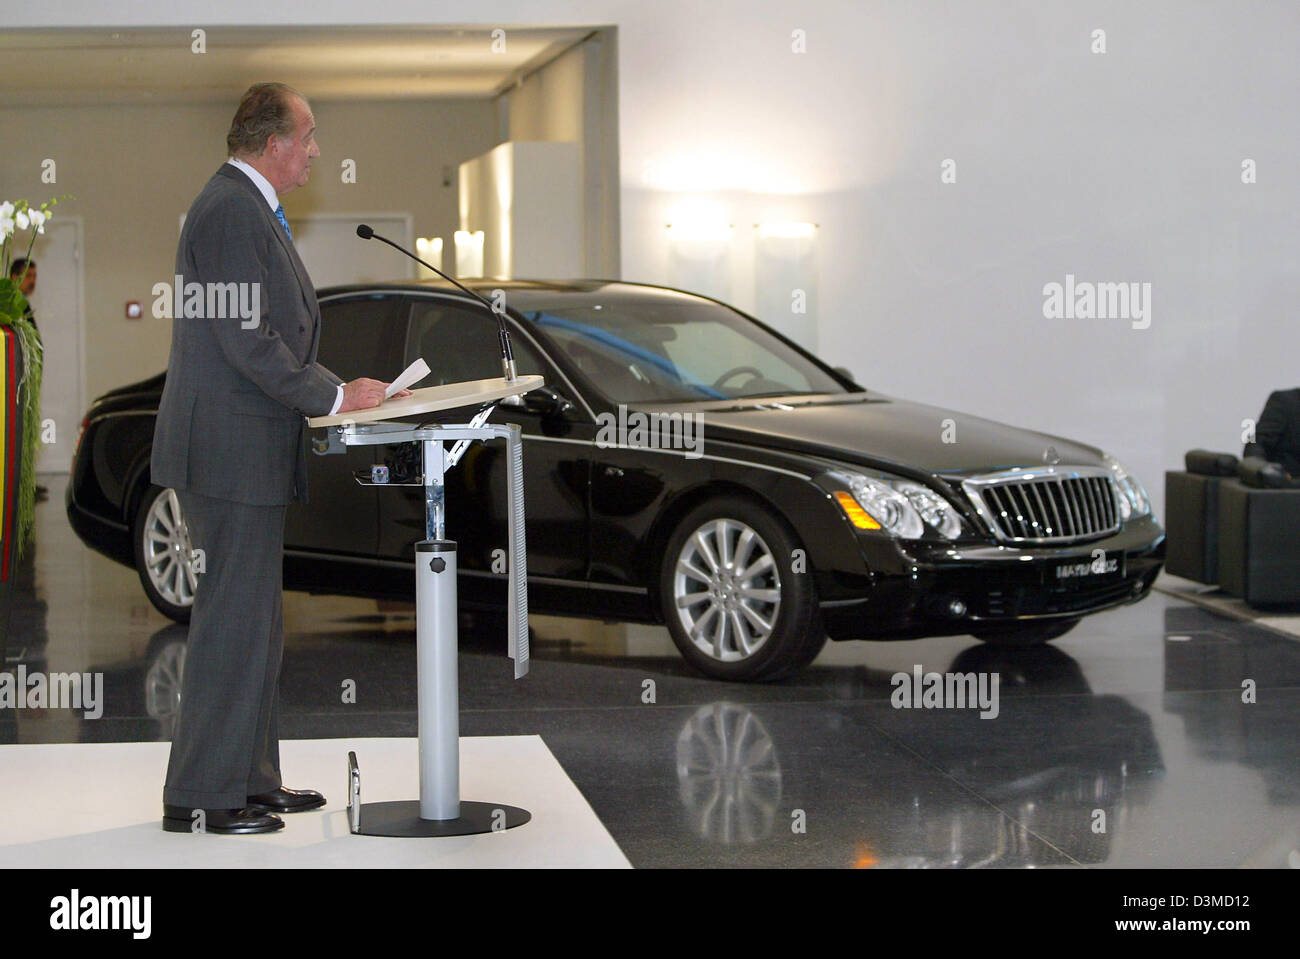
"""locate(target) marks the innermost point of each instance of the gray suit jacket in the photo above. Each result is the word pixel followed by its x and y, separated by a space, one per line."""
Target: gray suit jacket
pixel 230 423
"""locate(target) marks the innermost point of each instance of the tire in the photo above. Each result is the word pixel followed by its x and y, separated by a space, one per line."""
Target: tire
pixel 702 602
pixel 162 551
pixel 1025 634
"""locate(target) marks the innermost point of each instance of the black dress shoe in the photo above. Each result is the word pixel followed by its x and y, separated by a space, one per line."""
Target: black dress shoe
pixel 223 821
pixel 286 800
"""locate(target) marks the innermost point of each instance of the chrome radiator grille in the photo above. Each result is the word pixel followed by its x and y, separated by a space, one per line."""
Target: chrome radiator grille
pixel 1035 506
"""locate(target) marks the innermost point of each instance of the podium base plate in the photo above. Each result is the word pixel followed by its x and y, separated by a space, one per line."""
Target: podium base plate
pixel 402 819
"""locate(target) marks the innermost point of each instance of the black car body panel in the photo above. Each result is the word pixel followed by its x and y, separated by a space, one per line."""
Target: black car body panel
pixel 599 517
pixel 900 434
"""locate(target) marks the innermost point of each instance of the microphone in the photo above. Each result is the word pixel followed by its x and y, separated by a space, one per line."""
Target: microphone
pixel 507 355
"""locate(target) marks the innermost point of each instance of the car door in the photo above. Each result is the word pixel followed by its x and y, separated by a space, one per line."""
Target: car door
pixel 361 335
pixel 459 342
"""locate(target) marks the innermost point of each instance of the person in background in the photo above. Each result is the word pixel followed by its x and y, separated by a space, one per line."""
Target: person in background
pixel 23 272
pixel 1277 434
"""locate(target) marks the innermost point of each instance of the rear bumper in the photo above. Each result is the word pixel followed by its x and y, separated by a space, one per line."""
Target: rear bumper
pixel 109 537
pixel 935 590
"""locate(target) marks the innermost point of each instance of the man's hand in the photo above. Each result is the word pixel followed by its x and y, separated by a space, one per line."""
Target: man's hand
pixel 362 394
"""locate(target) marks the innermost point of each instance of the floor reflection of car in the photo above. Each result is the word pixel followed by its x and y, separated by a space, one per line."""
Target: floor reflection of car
pixel 684 464
pixel 1059 773
pixel 1062 764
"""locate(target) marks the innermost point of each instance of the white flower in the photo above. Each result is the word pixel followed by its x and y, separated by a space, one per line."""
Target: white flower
pixel 6 210
pixel 38 220
pixel 6 227
pixel 21 219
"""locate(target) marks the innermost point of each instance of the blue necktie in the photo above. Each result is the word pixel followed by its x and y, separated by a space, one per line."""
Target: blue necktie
pixel 279 215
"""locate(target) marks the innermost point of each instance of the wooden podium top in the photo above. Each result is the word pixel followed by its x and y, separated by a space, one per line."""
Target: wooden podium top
pixel 432 399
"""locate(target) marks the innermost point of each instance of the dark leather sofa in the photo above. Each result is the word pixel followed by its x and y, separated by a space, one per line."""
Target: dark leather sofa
pixel 1235 524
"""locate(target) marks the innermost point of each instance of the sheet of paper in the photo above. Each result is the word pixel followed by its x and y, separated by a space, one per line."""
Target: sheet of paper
pixel 412 374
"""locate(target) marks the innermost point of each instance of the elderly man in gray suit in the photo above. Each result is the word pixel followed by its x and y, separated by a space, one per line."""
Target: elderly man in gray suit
pixel 230 440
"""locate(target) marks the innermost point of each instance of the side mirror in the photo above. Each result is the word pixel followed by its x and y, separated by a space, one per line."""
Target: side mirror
pixel 543 400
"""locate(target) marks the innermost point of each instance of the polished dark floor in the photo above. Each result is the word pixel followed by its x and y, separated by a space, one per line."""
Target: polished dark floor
pixel 1126 743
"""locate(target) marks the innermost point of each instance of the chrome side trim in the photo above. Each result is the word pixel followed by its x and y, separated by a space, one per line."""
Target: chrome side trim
pixel 407 565
pixel 645 449
pixel 557 581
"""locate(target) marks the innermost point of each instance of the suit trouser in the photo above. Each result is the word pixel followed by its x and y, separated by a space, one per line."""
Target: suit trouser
pixel 226 746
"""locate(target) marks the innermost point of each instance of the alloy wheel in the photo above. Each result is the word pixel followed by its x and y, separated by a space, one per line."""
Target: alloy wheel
pixel 167 550
pixel 727 590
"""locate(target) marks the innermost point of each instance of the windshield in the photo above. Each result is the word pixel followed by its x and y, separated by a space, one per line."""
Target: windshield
pixel 670 348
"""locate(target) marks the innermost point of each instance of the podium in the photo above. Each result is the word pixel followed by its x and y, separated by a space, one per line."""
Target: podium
pixel 440 811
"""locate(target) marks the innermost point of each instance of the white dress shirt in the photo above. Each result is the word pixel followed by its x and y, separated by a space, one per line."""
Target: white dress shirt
pixel 273 201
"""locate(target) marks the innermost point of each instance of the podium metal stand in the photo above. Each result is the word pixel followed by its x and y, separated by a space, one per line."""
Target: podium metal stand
pixel 440 811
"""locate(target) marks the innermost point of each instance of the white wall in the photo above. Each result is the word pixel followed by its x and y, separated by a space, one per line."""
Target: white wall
pixel 574 98
pixel 548 104
pixel 1116 167
pixel 526 198
pixel 1122 166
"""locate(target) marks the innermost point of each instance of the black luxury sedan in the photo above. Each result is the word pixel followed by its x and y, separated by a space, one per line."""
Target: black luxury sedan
pixel 684 464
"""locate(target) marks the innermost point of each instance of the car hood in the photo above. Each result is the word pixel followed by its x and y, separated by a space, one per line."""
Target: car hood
pixel 886 431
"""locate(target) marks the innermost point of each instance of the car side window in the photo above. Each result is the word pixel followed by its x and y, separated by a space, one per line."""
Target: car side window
pixel 360 336
pixel 461 343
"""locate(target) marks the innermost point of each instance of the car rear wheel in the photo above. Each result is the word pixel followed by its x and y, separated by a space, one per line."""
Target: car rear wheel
pixel 1025 634
pixel 733 603
pixel 163 554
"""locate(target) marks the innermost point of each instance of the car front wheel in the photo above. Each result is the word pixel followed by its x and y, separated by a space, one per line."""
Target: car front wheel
pixel 737 603
pixel 163 554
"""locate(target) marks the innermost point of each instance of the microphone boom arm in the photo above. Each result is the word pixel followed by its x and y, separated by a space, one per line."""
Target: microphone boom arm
pixel 507 354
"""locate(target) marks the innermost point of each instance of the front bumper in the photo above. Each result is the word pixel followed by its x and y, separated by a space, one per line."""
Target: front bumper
pixel 924 589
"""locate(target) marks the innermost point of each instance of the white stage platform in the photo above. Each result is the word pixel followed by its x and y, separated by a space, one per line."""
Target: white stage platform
pixel 99 805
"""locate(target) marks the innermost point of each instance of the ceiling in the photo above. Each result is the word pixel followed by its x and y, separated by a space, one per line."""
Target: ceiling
pixel 95 66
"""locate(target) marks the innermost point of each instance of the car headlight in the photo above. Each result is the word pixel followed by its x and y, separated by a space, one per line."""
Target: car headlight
pixel 1133 500
pixel 901 507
